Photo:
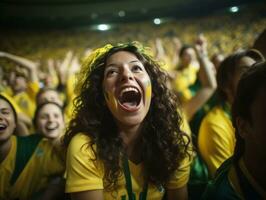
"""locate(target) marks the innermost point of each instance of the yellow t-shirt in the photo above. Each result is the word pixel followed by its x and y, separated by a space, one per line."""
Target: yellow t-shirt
pixel 26 99
pixel 183 80
pixel 83 174
pixel 216 139
pixel 43 165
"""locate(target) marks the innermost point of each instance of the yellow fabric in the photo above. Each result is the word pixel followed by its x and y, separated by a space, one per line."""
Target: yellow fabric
pixel 6 169
pixel 44 163
pixel 216 140
pixel 7 90
pixel 26 100
pixel 166 63
pixel 185 125
pixel 83 174
pixel 12 101
pixel 70 85
pixel 183 80
pixel 70 95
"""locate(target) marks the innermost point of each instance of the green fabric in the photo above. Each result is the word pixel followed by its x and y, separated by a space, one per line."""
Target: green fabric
pixel 220 188
pixel 25 148
pixel 198 178
pixel 248 190
pixel 131 195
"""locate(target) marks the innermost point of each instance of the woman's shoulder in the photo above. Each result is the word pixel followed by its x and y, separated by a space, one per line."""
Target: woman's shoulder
pixel 81 142
pixel 80 139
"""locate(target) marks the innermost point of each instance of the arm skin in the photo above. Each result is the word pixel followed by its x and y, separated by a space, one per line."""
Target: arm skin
pixel 88 195
pixel 207 79
pixel 28 64
pixel 180 194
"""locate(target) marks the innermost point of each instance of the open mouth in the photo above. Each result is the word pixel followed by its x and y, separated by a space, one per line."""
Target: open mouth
pixel 52 126
pixel 3 127
pixel 130 98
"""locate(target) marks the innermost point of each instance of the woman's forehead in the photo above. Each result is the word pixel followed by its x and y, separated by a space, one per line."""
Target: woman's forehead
pixel 4 104
pixel 120 57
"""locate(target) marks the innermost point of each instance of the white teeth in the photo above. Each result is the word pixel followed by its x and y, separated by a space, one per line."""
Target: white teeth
pixel 129 89
pixel 2 126
pixel 52 127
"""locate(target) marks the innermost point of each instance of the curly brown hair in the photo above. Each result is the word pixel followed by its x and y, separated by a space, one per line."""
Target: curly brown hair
pixel 162 139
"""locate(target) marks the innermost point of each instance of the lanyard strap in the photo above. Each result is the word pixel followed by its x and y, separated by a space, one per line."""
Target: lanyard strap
pixel 248 190
pixel 227 110
pixel 130 193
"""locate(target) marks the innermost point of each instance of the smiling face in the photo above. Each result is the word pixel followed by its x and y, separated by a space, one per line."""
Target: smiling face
pixel 127 88
pixel 50 121
pixel 7 120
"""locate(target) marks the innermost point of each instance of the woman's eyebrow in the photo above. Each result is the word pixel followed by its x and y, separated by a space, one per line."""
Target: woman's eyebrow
pixel 116 64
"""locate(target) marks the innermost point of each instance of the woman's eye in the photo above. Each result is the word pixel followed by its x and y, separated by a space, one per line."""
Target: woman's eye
pixel 6 112
pixel 136 68
pixel 111 72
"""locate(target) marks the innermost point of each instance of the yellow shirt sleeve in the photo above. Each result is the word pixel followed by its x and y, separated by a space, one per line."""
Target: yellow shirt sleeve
pixel 181 175
pixel 216 140
pixel 82 172
pixel 32 90
pixel 6 169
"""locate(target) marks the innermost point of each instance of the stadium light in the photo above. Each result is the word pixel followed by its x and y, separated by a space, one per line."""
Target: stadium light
pixel 234 9
pixel 103 27
pixel 121 13
pixel 157 21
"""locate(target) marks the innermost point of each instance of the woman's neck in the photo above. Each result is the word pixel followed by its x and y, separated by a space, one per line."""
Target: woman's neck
pixel 130 137
pixel 256 166
pixel 4 149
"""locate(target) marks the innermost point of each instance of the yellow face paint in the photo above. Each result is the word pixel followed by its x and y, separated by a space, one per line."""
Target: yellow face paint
pixel 148 91
pixel 111 100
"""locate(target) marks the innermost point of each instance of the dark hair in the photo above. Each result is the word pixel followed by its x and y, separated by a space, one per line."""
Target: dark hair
pixel 251 82
pixel 183 49
pixel 38 109
pixel 162 138
pixel 12 107
pixel 43 90
pixel 230 67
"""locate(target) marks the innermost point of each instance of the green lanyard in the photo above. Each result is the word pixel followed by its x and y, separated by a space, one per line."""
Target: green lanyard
pixel 227 110
pixel 130 193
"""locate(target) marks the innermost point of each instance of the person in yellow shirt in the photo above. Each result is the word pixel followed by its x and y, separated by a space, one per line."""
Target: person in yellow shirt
pixel 125 141
pixel 243 175
pixel 216 141
pixel 29 166
pixel 23 120
pixel 186 74
pixel 24 91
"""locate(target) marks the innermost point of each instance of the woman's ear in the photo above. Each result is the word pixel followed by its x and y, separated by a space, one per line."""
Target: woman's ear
pixel 243 127
pixel 229 95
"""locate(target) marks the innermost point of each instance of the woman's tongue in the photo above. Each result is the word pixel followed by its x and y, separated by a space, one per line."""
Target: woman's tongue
pixel 129 100
pixel 130 104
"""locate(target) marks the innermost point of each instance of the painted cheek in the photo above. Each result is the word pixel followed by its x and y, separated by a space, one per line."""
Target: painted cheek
pixel 148 90
pixel 111 101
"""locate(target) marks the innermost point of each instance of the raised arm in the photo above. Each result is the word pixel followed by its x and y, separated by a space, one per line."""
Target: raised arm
pixel 206 77
pixel 23 62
